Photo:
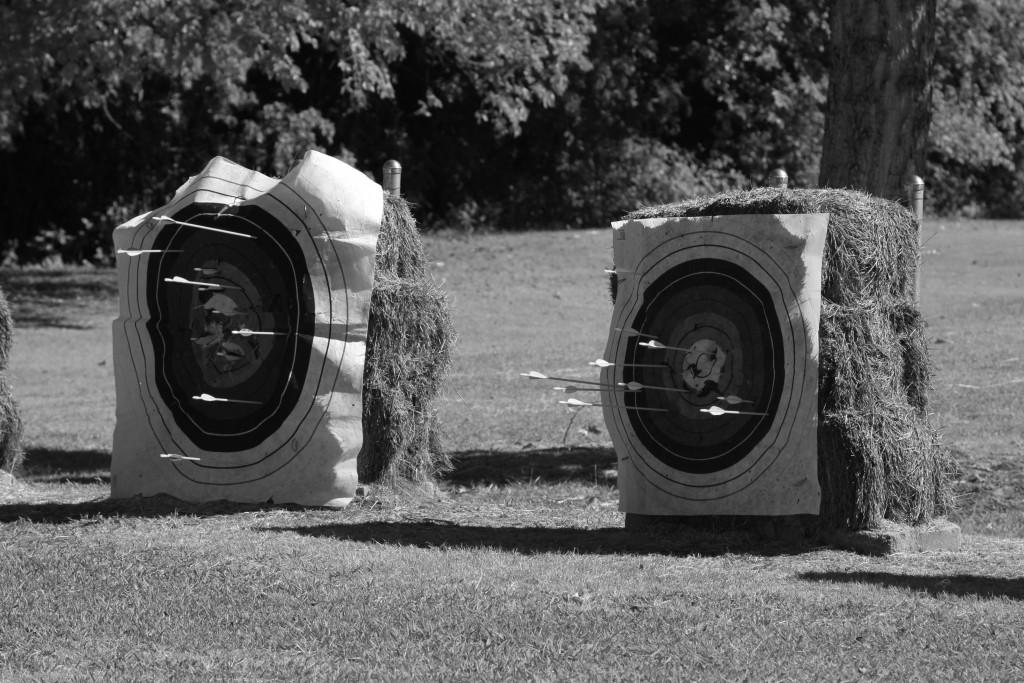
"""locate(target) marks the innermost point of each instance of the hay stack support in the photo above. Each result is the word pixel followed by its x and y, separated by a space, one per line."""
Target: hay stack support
pixel 10 422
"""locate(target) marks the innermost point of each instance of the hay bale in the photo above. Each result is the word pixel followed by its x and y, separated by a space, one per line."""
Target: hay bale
pixel 408 354
pixel 10 422
pixel 11 454
pixel 878 457
pixel 6 331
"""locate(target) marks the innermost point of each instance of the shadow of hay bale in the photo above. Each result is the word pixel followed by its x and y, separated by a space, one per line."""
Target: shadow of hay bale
pixel 408 354
pixel 878 456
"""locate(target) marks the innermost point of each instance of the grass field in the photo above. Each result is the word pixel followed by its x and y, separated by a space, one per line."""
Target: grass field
pixel 519 567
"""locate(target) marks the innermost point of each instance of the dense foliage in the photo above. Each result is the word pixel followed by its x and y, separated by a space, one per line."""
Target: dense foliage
pixel 509 113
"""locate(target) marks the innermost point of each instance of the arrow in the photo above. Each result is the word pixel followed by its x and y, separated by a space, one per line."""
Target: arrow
pixel 573 390
pixel 205 286
pixel 716 411
pixel 630 332
pixel 214 399
pixel 576 403
pixel 203 227
pixel 246 332
pixel 637 386
pixel 140 252
pixel 734 400
pixel 602 363
pixel 533 374
pixel 655 344
pixel 178 456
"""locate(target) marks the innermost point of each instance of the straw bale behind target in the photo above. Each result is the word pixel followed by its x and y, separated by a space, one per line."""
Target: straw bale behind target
pixel 408 355
pixel 878 456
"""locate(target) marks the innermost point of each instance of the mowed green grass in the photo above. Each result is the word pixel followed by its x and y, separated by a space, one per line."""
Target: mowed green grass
pixel 519 568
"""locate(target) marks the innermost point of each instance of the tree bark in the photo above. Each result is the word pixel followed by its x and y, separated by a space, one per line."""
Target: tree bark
pixel 879 94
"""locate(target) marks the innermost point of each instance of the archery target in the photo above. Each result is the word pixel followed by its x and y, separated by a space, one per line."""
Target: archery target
pixel 240 345
pixel 711 400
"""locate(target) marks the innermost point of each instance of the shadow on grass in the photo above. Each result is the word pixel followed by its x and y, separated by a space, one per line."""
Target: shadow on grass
pixel 151 507
pixel 76 467
pixel 934 585
pixel 549 465
pixel 532 540
pixel 54 322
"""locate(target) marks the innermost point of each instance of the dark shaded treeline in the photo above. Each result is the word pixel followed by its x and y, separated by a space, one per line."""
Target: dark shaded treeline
pixel 504 113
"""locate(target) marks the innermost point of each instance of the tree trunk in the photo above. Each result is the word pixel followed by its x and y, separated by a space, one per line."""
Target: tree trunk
pixel 879 94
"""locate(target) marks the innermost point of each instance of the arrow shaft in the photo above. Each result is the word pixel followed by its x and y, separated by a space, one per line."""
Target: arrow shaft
pixel 197 226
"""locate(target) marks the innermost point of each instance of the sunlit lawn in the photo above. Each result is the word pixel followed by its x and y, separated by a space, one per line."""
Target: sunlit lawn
pixel 519 568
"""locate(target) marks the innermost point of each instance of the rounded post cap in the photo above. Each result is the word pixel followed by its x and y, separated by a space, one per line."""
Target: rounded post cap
pixel 392 177
pixel 778 178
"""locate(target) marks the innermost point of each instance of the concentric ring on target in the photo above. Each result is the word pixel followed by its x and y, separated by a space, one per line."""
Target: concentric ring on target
pixel 717 304
pixel 723 338
pixel 243 339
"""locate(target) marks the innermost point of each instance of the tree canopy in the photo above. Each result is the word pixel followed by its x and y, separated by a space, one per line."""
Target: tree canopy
pixel 504 113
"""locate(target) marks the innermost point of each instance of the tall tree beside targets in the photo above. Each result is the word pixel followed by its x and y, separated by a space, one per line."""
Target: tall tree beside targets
pixel 879 97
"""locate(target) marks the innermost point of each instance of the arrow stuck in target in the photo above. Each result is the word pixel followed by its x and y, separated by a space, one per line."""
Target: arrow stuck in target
pixel 576 403
pixel 246 332
pixel 572 390
pixel 139 252
pixel 179 456
pixel 216 399
pixel 197 226
pixel 734 400
pixel 717 411
pixel 533 374
pixel 178 280
pixel 631 332
pixel 655 344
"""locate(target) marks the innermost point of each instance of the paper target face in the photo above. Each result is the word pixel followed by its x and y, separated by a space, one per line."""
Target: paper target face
pixel 239 350
pixel 244 337
pixel 712 329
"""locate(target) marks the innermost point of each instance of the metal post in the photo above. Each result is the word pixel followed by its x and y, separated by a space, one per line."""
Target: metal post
pixel 915 201
pixel 392 177
pixel 778 178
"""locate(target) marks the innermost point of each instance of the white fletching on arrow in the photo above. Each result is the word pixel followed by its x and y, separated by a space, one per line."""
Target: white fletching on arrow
pixel 140 252
pixel 215 399
pixel 576 403
pixel 246 332
pixel 655 344
pixel 178 280
pixel 636 386
pixel 601 363
pixel 631 332
pixel 178 456
pixel 533 374
pixel 717 411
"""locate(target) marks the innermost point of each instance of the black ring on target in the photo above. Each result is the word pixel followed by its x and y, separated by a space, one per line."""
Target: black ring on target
pixel 728 319
pixel 267 283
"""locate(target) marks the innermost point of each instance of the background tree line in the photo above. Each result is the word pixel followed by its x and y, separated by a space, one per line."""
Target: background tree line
pixel 504 113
